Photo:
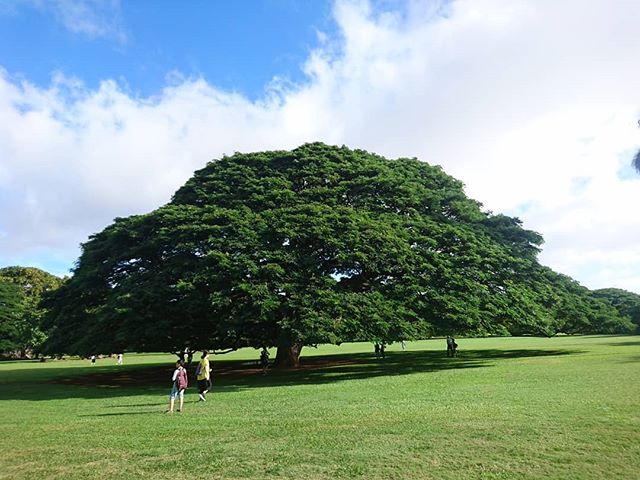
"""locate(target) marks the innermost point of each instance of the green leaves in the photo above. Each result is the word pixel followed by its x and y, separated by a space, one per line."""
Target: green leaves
pixel 627 304
pixel 11 313
pixel 21 316
pixel 320 244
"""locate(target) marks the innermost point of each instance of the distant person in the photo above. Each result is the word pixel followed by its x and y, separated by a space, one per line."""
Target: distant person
pixel 93 360
pixel 376 349
pixel 403 344
pixel 452 347
pixel 382 347
pixel 203 375
pixel 189 357
pixel 180 383
pixel 120 357
pixel 180 355
pixel 264 360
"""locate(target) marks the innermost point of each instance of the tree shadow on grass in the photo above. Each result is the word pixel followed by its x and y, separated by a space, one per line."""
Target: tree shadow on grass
pixel 633 343
pixel 336 368
pixel 631 359
pixel 155 379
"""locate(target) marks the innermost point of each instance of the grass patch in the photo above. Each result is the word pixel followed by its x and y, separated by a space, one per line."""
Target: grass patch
pixel 506 408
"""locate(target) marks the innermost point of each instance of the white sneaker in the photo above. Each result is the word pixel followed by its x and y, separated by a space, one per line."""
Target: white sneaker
pixel 202 399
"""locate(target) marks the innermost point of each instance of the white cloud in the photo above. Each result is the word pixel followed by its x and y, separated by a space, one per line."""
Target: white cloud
pixel 95 18
pixel 92 18
pixel 532 104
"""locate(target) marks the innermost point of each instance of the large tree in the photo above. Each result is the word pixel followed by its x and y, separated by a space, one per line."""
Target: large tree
pixel 290 248
pixel 30 284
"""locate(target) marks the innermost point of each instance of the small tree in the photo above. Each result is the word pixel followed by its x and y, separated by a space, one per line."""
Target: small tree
pixel 31 284
pixel 626 303
pixel 11 310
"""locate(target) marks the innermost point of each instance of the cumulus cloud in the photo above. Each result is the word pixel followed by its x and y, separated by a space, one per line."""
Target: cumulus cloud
pixel 532 104
pixel 72 158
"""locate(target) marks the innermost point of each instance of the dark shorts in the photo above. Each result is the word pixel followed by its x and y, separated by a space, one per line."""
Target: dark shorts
pixel 204 385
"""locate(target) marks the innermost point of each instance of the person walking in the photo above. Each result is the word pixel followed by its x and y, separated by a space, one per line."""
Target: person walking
pixel 93 360
pixel 449 346
pixel 203 375
pixel 452 346
pixel 180 383
pixel 264 360
pixel 120 356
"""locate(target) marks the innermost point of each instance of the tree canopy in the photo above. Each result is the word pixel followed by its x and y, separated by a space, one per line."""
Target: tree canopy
pixel 626 303
pixel 316 245
pixel 11 306
pixel 21 290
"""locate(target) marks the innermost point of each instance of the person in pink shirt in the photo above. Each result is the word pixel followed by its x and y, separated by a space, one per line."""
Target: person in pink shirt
pixel 180 383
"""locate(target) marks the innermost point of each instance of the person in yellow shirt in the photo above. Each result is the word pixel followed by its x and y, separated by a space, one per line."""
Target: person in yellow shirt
pixel 203 375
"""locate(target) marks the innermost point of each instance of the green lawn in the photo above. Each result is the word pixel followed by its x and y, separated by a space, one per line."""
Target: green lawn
pixel 565 407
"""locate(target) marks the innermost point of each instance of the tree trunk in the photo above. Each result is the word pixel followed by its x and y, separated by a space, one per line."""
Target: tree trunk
pixel 288 356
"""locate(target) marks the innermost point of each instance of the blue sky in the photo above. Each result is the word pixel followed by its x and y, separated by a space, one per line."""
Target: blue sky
pixel 238 46
pixel 107 107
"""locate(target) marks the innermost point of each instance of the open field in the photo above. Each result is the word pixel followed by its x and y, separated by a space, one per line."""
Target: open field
pixel 506 408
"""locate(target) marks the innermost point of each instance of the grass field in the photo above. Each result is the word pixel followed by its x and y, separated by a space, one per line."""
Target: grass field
pixel 506 408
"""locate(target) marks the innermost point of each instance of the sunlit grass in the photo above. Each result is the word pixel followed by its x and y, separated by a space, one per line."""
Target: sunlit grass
pixel 564 407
